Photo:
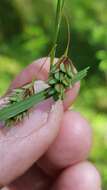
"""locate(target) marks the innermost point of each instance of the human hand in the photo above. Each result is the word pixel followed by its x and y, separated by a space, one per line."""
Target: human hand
pixel 47 151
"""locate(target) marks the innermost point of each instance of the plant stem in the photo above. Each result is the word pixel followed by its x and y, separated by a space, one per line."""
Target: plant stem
pixel 60 6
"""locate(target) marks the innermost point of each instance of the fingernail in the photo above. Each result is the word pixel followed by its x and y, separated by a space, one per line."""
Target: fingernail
pixel 56 105
pixel 40 85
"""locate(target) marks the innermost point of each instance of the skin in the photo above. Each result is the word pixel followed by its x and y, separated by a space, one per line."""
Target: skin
pixel 48 150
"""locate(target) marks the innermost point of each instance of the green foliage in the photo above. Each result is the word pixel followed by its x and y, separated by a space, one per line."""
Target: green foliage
pixel 102 56
pixel 28 35
pixel 11 23
pixel 9 67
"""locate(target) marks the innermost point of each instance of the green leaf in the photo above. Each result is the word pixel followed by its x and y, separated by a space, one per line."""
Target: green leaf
pixel 19 107
pixel 80 75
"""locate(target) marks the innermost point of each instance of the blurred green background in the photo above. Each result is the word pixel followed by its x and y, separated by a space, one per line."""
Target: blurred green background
pixel 26 30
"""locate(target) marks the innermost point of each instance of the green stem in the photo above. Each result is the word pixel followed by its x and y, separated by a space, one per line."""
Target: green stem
pixel 60 6
pixel 68 44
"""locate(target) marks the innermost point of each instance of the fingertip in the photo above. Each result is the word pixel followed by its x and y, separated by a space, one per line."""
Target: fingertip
pixel 83 176
pixel 32 137
pixel 71 146
pixel 37 70
pixel 56 113
pixel 73 142
pixel 57 108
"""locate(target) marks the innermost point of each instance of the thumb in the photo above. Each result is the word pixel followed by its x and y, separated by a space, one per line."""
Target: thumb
pixel 22 145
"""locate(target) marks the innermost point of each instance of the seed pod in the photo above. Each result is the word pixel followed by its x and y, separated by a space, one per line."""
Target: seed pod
pixel 61 75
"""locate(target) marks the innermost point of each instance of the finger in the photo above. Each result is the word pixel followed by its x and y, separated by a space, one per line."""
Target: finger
pixel 82 176
pixel 39 70
pixel 72 144
pixel 32 140
pixel 32 179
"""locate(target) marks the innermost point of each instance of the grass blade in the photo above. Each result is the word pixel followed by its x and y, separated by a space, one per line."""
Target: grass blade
pixel 60 6
pixel 80 75
pixel 19 107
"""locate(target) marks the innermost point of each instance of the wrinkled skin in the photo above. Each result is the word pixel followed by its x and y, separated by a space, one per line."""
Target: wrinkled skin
pixel 48 150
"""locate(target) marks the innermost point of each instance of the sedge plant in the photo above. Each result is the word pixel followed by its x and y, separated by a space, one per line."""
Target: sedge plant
pixel 61 77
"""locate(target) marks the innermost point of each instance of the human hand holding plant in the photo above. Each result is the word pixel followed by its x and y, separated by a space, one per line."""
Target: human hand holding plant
pixel 47 150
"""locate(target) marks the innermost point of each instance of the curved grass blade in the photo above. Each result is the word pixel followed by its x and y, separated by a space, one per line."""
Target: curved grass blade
pixel 69 37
